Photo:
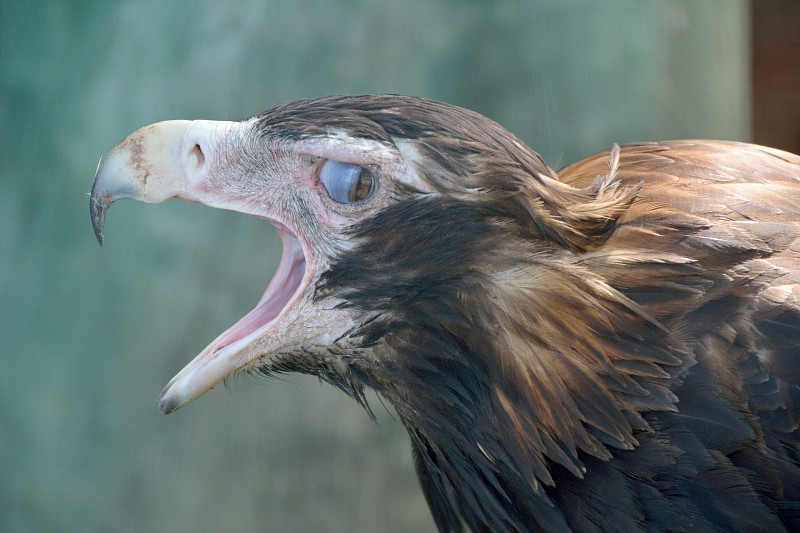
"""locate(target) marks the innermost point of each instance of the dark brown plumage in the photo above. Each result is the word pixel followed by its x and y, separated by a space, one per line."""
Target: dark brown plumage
pixel 613 347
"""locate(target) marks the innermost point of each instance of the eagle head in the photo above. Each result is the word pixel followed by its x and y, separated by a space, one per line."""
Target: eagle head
pixel 516 321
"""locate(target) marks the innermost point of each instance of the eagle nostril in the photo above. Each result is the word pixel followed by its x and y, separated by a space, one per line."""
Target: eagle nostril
pixel 197 157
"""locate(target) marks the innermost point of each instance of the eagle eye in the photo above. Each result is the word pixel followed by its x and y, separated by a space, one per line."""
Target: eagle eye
pixel 346 183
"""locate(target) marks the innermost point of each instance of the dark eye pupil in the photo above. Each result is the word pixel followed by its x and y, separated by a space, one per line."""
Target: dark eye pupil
pixel 346 183
pixel 363 185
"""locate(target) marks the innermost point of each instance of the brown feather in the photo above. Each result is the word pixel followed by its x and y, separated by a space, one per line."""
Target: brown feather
pixel 613 347
pixel 635 312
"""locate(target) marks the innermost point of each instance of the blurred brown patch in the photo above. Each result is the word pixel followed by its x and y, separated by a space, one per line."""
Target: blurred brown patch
pixel 776 73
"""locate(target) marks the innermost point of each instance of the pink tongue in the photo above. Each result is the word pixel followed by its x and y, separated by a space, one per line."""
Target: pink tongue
pixel 270 305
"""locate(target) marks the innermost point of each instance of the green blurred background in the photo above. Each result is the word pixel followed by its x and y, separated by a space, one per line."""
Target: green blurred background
pixel 89 336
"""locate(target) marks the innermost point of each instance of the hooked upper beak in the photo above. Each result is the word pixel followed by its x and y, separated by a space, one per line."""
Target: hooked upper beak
pixel 155 163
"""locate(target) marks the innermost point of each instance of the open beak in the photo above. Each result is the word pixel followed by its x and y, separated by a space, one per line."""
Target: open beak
pixel 177 159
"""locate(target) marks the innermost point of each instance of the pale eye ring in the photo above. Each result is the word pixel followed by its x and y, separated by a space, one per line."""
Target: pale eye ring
pixel 346 183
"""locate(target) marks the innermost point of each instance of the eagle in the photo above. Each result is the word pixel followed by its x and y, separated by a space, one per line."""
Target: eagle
pixel 611 347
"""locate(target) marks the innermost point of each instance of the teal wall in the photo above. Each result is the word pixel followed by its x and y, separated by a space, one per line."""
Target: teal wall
pixel 88 337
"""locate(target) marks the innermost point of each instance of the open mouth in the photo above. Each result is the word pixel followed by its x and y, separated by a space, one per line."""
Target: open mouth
pixel 285 285
pixel 175 159
pixel 268 320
